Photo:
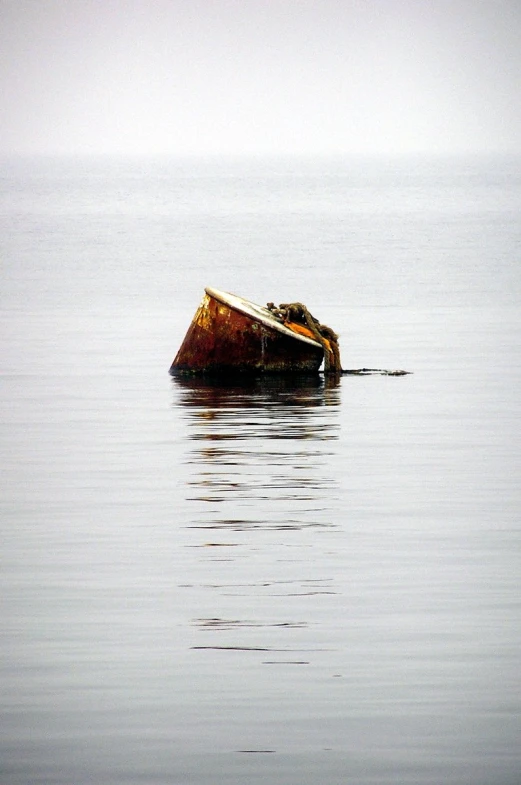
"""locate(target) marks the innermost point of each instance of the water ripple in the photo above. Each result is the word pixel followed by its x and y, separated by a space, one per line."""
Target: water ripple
pixel 266 445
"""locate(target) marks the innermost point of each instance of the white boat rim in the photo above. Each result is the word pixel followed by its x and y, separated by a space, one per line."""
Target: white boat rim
pixel 258 312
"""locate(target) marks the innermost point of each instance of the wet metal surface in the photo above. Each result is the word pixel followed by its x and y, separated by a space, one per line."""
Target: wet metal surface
pixel 222 340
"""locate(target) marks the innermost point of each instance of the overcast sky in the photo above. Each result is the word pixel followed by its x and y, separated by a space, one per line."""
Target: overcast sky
pixel 260 76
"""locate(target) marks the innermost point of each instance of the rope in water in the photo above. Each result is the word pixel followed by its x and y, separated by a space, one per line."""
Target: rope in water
pixel 297 314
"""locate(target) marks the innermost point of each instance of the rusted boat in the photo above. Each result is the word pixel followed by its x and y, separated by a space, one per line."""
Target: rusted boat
pixel 230 335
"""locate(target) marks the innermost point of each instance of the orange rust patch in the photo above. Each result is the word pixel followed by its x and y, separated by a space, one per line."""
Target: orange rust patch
pixel 296 327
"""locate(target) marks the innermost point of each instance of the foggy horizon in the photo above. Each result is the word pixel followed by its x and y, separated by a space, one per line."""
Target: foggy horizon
pixel 327 78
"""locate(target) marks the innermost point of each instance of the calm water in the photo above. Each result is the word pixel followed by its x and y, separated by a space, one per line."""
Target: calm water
pixel 278 583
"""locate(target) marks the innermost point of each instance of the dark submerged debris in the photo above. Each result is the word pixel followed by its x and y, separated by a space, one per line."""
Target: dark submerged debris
pixel 374 372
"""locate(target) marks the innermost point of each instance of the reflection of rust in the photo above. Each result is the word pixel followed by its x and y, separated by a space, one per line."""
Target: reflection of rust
pixel 279 393
pixel 221 339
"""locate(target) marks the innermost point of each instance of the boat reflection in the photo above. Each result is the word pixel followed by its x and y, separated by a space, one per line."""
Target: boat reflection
pixel 260 452
pixel 306 390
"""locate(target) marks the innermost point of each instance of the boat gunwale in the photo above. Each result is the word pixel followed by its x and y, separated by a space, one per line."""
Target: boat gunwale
pixel 257 312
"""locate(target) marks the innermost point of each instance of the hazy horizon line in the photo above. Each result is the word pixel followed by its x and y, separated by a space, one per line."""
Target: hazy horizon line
pixel 273 155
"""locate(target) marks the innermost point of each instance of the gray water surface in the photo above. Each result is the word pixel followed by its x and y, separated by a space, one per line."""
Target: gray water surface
pixel 281 582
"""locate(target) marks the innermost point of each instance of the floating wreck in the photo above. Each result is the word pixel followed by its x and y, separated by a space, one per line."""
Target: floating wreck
pixel 230 335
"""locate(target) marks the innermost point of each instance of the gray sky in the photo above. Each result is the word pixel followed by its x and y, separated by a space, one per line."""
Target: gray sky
pixel 260 76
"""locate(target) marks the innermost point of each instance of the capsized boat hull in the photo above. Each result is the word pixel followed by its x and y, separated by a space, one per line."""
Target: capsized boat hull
pixel 231 335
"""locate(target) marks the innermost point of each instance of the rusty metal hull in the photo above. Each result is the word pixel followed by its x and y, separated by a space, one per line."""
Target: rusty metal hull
pixel 231 335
